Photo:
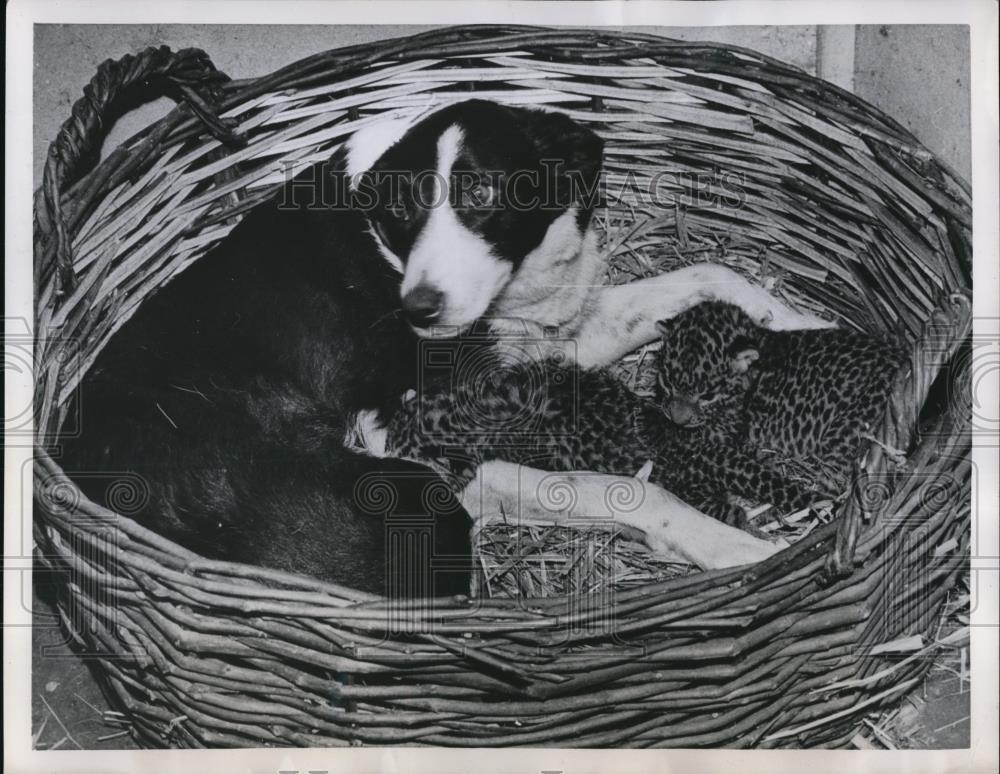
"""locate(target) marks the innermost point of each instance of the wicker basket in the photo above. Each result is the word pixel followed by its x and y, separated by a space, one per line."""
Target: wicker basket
pixel 857 219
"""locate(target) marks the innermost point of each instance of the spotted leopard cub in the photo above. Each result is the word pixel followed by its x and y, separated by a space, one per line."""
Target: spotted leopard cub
pixel 800 394
pixel 558 417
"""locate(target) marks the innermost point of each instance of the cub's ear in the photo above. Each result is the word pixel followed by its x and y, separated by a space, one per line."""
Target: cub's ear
pixel 662 327
pixel 572 150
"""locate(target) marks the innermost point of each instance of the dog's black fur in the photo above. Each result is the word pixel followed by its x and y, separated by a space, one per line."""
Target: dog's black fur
pixel 232 389
pixel 231 393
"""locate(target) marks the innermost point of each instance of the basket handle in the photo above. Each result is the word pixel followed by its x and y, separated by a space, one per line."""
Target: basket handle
pixel 188 76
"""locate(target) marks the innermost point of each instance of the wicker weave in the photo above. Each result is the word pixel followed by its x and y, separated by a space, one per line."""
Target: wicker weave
pixel 861 222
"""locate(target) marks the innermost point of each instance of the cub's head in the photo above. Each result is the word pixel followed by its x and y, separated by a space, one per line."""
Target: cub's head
pixel 458 199
pixel 703 364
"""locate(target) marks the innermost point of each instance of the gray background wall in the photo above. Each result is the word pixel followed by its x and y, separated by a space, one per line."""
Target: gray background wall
pixel 917 74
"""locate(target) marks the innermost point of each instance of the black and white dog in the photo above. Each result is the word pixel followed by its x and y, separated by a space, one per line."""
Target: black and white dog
pixel 237 389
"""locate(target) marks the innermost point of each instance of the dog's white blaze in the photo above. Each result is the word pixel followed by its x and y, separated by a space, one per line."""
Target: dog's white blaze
pixel 451 258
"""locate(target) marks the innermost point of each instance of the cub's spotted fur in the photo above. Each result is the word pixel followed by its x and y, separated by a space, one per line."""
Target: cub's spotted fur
pixel 798 393
pixel 562 418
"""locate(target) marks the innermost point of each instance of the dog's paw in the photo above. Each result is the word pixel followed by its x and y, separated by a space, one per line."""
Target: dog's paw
pixel 784 318
pixel 742 549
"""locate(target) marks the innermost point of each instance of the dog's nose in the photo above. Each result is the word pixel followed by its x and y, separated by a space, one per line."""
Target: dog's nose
pixel 422 305
pixel 682 410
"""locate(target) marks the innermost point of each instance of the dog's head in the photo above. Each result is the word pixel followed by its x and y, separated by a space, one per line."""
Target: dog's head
pixel 459 198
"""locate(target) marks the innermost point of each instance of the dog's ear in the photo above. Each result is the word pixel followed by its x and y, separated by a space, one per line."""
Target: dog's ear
pixel 571 150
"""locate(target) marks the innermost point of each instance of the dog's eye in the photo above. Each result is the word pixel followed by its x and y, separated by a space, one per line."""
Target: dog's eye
pixel 398 210
pixel 483 195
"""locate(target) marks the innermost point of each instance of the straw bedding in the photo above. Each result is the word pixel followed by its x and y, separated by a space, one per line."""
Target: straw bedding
pixel 804 188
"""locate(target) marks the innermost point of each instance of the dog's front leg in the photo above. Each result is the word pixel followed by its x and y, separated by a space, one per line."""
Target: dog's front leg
pixel 623 317
pixel 673 529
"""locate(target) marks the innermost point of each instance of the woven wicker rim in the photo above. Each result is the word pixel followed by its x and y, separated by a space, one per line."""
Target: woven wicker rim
pixel 830 181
